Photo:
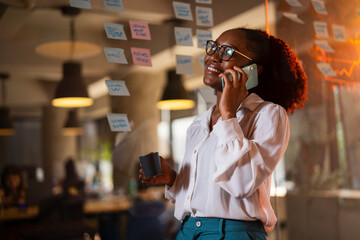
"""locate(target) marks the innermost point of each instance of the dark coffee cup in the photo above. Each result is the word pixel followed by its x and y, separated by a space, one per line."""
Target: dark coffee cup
pixel 151 164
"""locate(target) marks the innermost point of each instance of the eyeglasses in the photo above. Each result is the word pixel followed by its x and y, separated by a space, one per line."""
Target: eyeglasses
pixel 225 52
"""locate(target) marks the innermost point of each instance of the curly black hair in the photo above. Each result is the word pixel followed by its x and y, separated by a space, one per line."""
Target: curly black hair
pixel 282 80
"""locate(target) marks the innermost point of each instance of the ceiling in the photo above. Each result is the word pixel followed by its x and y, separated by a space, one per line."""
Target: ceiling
pixel 24 24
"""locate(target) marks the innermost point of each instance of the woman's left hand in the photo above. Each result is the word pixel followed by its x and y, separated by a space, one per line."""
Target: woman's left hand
pixel 233 93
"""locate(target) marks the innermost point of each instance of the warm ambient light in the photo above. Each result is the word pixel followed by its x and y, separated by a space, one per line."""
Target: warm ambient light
pixel 72 131
pixel 71 91
pixel 175 96
pixel 70 102
pixel 176 104
pixel 6 125
pixel 68 49
pixel 72 125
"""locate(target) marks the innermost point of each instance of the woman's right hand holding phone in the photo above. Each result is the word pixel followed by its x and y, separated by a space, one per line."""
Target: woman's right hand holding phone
pixel 167 176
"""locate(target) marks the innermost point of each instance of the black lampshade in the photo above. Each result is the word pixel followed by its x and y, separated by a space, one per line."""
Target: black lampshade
pixel 71 91
pixel 175 96
pixel 72 125
pixel 6 126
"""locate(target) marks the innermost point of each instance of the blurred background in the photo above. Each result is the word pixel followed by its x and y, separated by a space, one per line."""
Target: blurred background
pixel 65 173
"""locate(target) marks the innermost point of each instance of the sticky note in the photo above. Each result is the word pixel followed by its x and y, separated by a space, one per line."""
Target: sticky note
pixel 117 88
pixel 204 17
pixel 80 4
pixel 183 36
pixel 326 69
pixel 184 64
pixel 140 30
pixel 115 55
pixel 293 16
pixel 339 33
pixel 321 29
pixel 294 3
pixel 202 37
pixel 115 31
pixel 141 56
pixel 204 1
pixel 114 5
pixel 182 11
pixel 201 60
pixel 118 122
pixel 324 45
pixel 319 6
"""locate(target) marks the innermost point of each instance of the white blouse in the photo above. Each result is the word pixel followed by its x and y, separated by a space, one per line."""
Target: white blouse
pixel 226 173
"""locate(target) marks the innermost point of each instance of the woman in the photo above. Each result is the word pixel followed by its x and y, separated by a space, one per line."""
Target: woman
pixel 222 190
pixel 12 193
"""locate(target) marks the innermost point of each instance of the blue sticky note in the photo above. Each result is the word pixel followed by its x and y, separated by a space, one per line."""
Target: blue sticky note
pixel 80 4
pixel 115 31
pixel 115 55
pixel 204 17
pixel 321 29
pixel 319 6
pixel 183 36
pixel 182 11
pixel 117 88
pixel 184 64
pixel 204 1
pixel 118 122
pixel 202 37
pixel 114 5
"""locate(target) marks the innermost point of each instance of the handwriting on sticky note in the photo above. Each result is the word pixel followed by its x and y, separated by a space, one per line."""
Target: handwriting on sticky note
pixel 183 36
pixel 319 6
pixel 294 3
pixel 182 11
pixel 321 29
pixel 115 31
pixel 202 37
pixel 140 30
pixel 184 64
pixel 141 56
pixel 80 4
pixel 339 33
pixel 117 88
pixel 115 55
pixel 118 122
pixel 114 5
pixel 204 17
pixel 204 1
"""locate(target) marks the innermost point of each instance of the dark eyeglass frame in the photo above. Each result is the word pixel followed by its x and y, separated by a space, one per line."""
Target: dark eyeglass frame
pixel 222 50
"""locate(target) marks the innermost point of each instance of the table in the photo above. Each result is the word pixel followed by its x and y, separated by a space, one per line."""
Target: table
pixel 107 204
pixel 12 214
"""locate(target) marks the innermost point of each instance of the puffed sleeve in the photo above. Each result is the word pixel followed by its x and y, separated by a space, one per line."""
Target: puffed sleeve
pixel 242 164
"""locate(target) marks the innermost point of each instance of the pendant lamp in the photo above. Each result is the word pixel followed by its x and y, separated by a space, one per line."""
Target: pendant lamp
pixel 175 96
pixel 71 91
pixel 6 126
pixel 72 125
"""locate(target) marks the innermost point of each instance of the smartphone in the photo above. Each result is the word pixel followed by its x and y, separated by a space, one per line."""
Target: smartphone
pixel 251 82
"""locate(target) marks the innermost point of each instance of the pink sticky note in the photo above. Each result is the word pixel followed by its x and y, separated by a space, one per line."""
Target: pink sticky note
pixel 140 30
pixel 141 56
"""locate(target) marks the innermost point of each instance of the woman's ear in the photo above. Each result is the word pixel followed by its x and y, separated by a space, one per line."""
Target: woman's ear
pixel 259 69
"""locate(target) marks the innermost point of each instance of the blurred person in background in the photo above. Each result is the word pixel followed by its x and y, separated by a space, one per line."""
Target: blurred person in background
pixel 12 192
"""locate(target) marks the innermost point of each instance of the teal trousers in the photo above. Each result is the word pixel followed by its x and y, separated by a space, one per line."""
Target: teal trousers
pixel 201 228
